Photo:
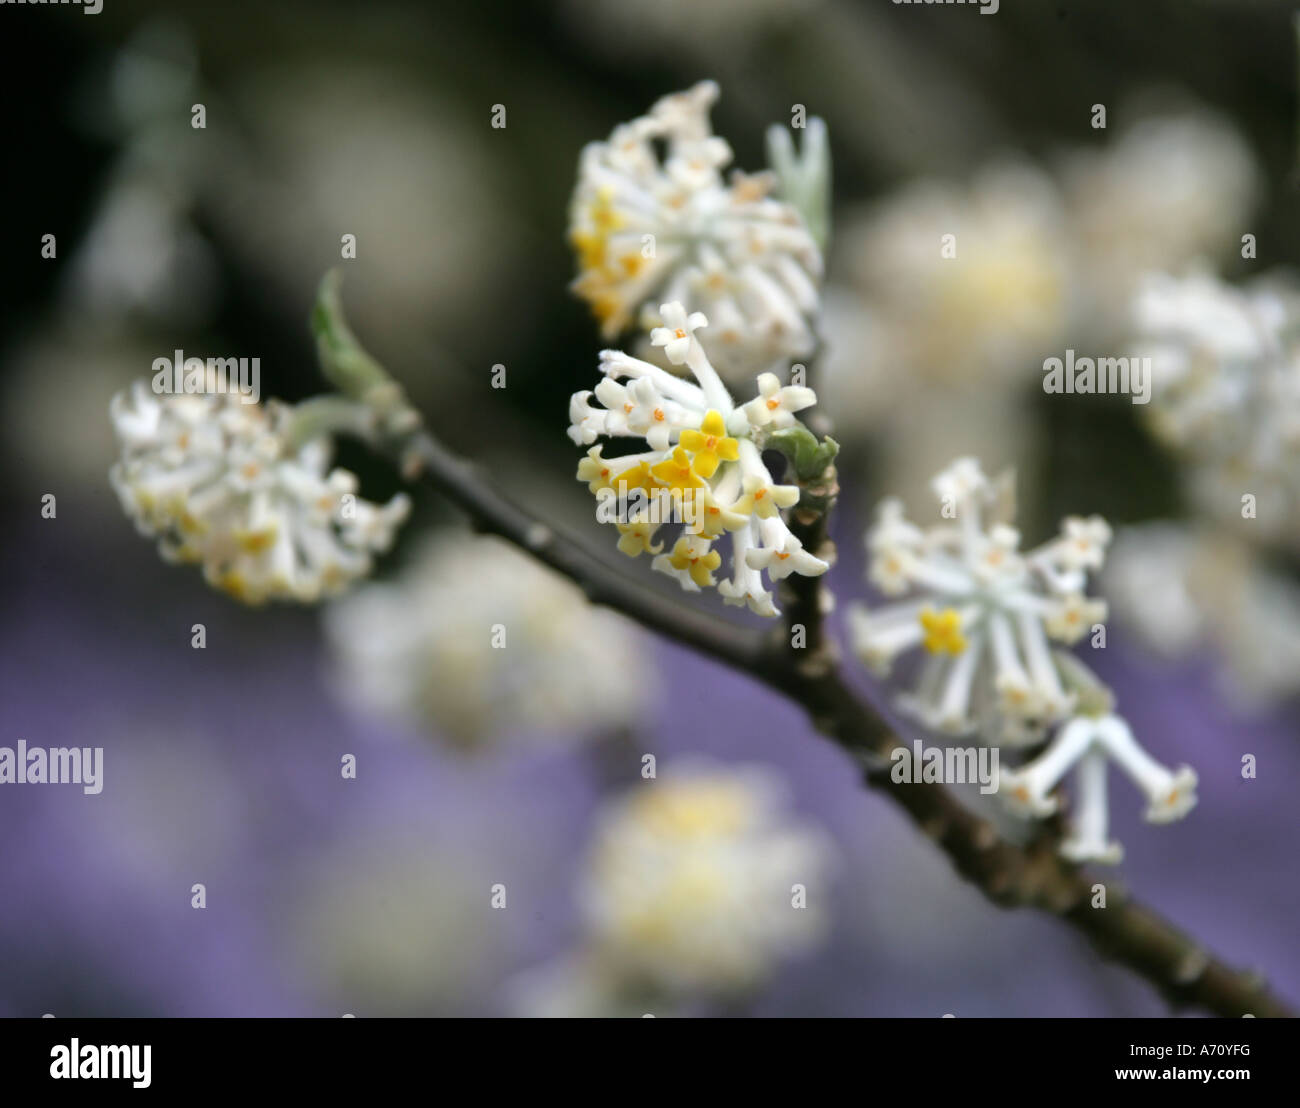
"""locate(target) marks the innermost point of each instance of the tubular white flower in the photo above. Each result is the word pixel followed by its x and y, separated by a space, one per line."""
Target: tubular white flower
pixel 678 331
pixel 1089 840
pixel 1086 744
pixel 776 404
pixel 222 485
pixel 784 554
pixel 984 611
pixel 1028 789
pixel 704 469
pixel 1170 794
pixel 651 230
pixel 1067 620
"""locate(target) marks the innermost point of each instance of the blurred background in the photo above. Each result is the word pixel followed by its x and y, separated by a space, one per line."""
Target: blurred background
pixel 374 895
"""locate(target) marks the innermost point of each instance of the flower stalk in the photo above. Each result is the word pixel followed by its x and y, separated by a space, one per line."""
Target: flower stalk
pixel 1029 876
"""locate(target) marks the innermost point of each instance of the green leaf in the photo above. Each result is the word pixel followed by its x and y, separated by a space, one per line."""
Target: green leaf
pixel 809 457
pixel 343 360
pixel 351 370
pixel 804 177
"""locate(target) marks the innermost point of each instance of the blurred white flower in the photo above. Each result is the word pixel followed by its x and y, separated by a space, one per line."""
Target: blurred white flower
pixel 1226 394
pixel 987 311
pixel 142 254
pixel 649 230
pixel 221 484
pixel 510 651
pixel 389 926
pixel 984 612
pixel 932 355
pixel 690 890
pixel 1170 190
pixel 1149 574
pixel 1184 589
pixel 1035 256
pixel 704 468
pixel 1086 744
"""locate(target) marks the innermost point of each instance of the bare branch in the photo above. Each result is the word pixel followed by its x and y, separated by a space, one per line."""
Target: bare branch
pixel 1011 876
pixel 493 514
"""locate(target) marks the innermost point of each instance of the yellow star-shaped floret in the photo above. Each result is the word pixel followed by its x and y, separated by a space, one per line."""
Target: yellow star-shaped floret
pixel 636 536
pixel 710 444
pixel 590 248
pixel 256 541
pixel 594 470
pixel 676 471
pixel 709 518
pixel 692 557
pixel 943 631
pixel 639 476
pixel 604 216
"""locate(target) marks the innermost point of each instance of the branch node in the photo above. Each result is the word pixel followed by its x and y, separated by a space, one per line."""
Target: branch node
pixel 1191 967
pixel 935 828
pixel 538 536
pixel 986 836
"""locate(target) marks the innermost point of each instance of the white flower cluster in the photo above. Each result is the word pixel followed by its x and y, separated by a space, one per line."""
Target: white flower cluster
pixel 511 658
pixel 1036 254
pixel 649 229
pixel 1172 188
pixel 691 881
pixel 1226 392
pixel 987 615
pixel 696 886
pixel 704 467
pixel 221 484
pixel 979 305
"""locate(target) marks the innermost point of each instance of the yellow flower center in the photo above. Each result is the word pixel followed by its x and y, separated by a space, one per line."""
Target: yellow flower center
pixel 943 631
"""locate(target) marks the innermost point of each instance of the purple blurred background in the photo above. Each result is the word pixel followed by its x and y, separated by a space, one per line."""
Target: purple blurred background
pixel 327 896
